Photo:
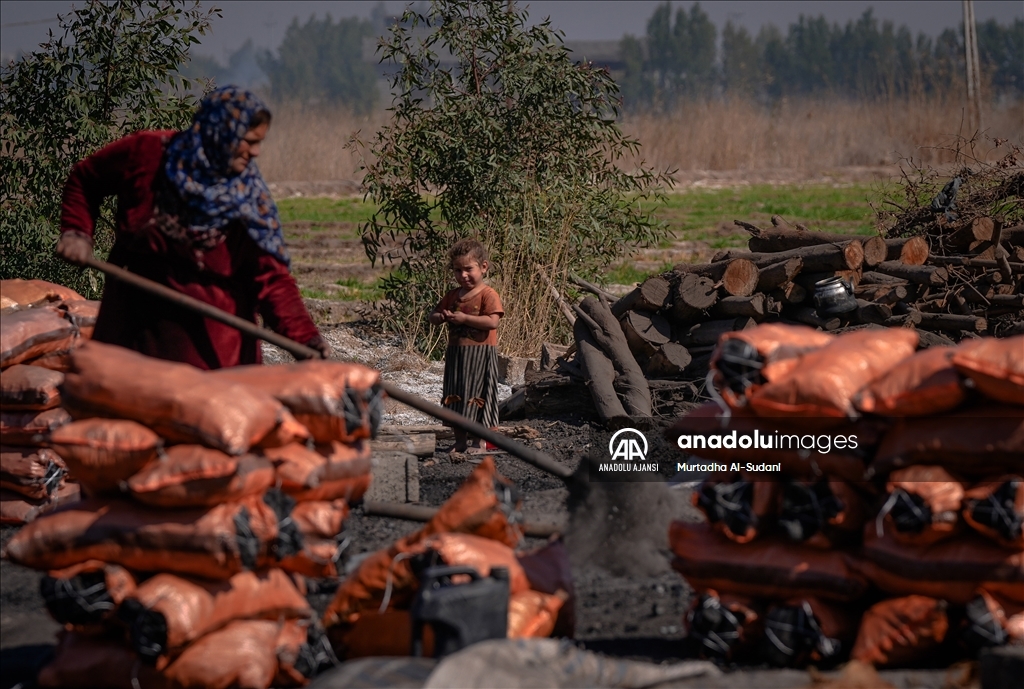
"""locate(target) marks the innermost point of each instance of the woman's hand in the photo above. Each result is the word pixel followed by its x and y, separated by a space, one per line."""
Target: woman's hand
pixel 74 247
pixel 320 344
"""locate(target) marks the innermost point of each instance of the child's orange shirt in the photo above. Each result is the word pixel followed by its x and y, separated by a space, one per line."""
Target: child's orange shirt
pixel 486 302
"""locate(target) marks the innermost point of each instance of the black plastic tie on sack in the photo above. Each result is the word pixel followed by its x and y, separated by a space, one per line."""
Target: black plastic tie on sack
pixel 729 503
pixel 52 477
pixel 81 599
pixel 806 510
pixel 740 365
pixel 793 633
pixel 289 540
pixel 909 512
pixel 997 511
pixel 714 627
pixel 316 655
pixel 248 542
pixel 352 409
pixel 982 629
pixel 147 633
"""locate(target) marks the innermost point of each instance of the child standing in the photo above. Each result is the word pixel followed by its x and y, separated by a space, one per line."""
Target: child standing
pixel 472 311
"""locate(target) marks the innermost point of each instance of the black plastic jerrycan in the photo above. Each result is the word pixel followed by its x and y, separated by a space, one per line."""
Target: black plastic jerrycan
pixel 459 614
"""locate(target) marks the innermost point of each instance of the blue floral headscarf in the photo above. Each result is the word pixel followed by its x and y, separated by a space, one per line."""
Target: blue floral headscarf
pixel 197 165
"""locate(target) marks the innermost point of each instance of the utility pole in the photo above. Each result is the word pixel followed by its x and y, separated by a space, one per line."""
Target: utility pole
pixel 973 68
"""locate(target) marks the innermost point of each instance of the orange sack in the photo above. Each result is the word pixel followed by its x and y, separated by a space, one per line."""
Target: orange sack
pixel 778 347
pixel 335 400
pixel 996 509
pixel 901 631
pixel 29 388
pixel 215 543
pixel 922 505
pixel 318 558
pixel 327 472
pixel 194 476
pixel 26 292
pixel 923 384
pixel 532 614
pixel 548 570
pixel 480 507
pixel 971 442
pixel 31 427
pixel 766 567
pixel 995 366
pixel 178 401
pixel 15 508
pixel 320 518
pixel 168 612
pixel 28 334
pixel 33 472
pixel 102 453
pixel 823 383
pixel 723 626
pixel 86 594
pixel 952 569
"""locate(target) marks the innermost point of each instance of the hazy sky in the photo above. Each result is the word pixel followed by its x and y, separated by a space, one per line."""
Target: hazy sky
pixel 23 25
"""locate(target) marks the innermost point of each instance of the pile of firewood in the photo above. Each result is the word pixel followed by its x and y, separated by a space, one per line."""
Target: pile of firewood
pixel 647 352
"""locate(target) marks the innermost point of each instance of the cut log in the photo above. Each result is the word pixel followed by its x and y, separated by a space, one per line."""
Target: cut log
pixel 789 293
pixel 821 257
pixel 922 275
pixel 952 322
pixel 738 277
pixel 754 306
pixel 1012 236
pixel 440 432
pixel 979 230
pixel 870 312
pixel 419 444
pixel 691 296
pixel 600 373
pixel 882 294
pixel 651 295
pixel 873 277
pixel 669 361
pixel 602 294
pixel 808 316
pixel 782 237
pixel 608 335
pixel 979 263
pixel 645 332
pixel 910 251
pixel 778 274
pixel 549 354
pixel 707 333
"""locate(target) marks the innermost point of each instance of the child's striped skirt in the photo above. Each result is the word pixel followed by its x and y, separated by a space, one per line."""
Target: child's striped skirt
pixel 471 382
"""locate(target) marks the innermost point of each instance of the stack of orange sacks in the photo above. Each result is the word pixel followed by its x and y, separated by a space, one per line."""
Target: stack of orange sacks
pixel 792 554
pixel 41 324
pixel 370 613
pixel 207 502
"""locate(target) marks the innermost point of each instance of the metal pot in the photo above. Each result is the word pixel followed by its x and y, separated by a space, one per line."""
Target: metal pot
pixel 832 296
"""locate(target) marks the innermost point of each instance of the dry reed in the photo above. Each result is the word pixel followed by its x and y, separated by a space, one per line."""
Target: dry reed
pixel 810 135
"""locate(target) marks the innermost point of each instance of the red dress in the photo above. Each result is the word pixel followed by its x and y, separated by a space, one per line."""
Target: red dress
pixel 235 276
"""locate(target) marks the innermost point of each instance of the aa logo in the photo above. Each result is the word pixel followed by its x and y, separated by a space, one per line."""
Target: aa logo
pixel 625 445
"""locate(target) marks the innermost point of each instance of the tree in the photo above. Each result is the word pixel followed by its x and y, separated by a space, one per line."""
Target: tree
pixel 507 140
pixel 323 61
pixel 741 61
pixel 113 71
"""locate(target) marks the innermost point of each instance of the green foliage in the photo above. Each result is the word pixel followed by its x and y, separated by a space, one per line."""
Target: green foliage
pixel 863 58
pixel 515 144
pixel 112 72
pixel 321 61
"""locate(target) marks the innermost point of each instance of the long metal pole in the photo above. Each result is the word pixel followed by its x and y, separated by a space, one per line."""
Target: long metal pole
pixel 538 459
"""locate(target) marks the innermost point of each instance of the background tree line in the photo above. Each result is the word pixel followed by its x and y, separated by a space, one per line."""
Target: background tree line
pixel 680 57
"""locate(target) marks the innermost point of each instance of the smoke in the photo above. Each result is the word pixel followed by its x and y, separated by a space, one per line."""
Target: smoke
pixel 620 527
